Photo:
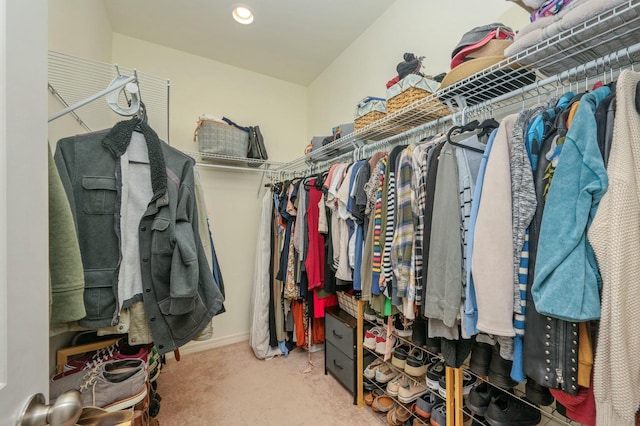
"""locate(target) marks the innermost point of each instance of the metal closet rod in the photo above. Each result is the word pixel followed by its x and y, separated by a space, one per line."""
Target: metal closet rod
pixel 608 63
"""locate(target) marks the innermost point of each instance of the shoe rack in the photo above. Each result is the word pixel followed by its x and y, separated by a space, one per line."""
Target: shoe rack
pixel 456 410
pixel 454 390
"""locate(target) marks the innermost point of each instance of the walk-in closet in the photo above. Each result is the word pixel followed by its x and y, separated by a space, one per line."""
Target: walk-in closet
pixel 361 212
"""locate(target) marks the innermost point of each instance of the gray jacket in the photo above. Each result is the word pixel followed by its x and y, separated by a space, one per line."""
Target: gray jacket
pixel 179 293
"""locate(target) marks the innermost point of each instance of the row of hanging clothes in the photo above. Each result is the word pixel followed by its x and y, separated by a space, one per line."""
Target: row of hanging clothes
pixel 519 234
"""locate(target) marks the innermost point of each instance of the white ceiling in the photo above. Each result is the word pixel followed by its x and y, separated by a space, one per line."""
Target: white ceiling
pixel 292 40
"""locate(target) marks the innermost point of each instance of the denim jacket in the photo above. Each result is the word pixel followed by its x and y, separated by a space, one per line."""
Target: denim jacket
pixel 179 293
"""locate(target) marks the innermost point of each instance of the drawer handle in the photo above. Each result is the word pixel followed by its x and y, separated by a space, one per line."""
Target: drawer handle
pixel 339 336
pixel 338 365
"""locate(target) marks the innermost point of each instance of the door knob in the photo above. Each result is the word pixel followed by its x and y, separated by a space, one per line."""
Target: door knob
pixel 64 412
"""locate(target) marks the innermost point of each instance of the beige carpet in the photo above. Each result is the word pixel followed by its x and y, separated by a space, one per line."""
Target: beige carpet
pixel 230 386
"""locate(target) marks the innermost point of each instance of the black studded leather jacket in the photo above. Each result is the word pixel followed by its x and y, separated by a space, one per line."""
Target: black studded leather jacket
pixel 550 344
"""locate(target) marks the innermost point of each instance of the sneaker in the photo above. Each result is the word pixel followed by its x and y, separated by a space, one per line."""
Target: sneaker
pixel 468 381
pixel 370 337
pixel 402 326
pixel 439 415
pixel 385 373
pixel 155 364
pixel 369 313
pixel 399 357
pixel 416 364
pixel 370 371
pixel 399 382
pixel 384 345
pixel 118 350
pixel 480 397
pixel 434 373
pixel 442 387
pixel 113 385
pixel 412 392
pixel 506 409
pixel 425 403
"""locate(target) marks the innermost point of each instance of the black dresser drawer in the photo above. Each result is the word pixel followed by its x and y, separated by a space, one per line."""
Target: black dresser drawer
pixel 341 333
pixel 341 366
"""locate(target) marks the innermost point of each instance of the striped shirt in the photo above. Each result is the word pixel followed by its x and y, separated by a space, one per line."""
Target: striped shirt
pixel 377 222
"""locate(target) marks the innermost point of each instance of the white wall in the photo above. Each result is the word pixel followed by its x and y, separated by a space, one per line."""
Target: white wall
pixel 79 28
pixel 425 28
pixel 198 86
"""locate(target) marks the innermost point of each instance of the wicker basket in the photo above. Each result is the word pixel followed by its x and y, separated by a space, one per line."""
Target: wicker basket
pixel 348 303
pixel 412 95
pixel 222 139
pixel 367 119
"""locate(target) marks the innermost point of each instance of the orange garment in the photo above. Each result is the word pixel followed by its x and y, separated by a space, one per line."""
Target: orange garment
pixel 297 309
pixel 318 330
pixel 585 355
pixel 572 113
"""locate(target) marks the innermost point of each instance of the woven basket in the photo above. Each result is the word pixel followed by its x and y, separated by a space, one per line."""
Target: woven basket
pixel 222 139
pixel 367 119
pixel 348 303
pixel 412 95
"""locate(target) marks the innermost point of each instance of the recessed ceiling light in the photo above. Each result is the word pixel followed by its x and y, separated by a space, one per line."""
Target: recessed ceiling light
pixel 243 15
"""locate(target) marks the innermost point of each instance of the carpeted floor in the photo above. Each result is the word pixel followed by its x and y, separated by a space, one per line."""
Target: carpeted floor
pixel 230 386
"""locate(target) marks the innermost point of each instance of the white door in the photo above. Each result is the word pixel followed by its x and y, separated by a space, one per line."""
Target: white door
pixel 24 294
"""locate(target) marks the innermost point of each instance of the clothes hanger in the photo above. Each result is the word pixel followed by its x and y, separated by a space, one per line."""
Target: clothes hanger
pixel 469 127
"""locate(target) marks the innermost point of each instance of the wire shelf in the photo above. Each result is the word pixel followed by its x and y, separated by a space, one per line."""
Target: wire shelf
pixel 73 79
pixel 596 49
pixel 229 162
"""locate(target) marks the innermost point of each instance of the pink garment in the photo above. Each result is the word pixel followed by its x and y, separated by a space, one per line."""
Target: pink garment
pixel 315 256
pixel 319 305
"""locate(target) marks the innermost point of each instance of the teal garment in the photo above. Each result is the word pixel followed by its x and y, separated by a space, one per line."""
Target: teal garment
pixel 567 281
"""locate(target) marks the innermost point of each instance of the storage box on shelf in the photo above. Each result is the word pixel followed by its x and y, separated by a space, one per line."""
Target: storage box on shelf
pixel 369 113
pixel 214 137
pixel 411 89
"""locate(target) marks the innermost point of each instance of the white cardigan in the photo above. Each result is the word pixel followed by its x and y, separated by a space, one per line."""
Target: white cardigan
pixel 615 237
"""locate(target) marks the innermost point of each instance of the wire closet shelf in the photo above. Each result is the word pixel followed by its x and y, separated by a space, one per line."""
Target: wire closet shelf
pixel 73 79
pixel 573 59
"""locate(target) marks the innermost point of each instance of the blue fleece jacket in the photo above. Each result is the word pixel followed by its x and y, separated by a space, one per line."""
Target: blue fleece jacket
pixel 567 281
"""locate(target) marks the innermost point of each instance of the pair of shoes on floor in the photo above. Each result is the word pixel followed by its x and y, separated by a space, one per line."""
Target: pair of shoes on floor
pixel 398 416
pixel 406 390
pixel 118 350
pixel 94 416
pixel 468 381
pixel 412 392
pixel 425 403
pixel 380 371
pixel 500 408
pixel 383 404
pixel 439 416
pixel 113 385
pixel 413 361
pixel 375 339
